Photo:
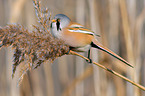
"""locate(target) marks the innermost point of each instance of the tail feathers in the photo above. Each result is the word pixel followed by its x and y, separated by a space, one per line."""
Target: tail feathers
pixel 96 44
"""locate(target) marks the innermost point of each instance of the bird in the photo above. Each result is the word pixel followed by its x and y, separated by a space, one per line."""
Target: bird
pixel 77 37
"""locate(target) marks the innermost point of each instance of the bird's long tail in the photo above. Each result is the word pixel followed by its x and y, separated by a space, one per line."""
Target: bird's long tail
pixel 96 44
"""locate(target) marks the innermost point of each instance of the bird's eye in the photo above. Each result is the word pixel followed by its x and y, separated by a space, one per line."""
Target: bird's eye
pixel 57 20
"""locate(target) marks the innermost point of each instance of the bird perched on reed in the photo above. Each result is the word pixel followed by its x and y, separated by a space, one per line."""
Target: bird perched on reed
pixel 77 36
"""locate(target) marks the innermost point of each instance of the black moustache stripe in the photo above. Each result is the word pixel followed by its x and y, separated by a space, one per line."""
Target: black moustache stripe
pixel 58 25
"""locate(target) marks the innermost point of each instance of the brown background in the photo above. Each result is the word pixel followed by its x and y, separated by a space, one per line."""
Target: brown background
pixel 120 23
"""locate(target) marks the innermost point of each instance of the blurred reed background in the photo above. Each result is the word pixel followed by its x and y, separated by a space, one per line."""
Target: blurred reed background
pixel 120 23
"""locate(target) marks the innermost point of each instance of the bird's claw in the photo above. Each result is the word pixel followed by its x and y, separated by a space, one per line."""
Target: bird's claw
pixel 89 61
pixel 67 52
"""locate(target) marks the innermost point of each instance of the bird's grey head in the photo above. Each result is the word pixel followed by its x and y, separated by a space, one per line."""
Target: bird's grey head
pixel 61 20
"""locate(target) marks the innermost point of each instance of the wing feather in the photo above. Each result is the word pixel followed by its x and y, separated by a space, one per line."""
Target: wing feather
pixel 79 28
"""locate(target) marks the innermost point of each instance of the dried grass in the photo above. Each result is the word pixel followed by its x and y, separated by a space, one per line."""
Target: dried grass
pixel 32 47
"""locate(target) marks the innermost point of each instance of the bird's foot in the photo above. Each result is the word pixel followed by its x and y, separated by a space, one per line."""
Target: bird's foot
pixel 67 53
pixel 89 61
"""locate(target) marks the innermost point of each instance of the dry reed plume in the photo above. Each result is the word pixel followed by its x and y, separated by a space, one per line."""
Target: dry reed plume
pixel 32 48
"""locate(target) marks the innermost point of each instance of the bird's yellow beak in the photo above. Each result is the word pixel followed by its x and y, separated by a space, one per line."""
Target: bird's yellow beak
pixel 53 20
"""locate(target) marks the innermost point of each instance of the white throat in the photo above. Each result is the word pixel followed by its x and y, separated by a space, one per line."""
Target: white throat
pixel 56 33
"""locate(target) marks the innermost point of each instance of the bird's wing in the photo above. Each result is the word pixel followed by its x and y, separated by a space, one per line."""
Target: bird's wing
pixel 79 28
